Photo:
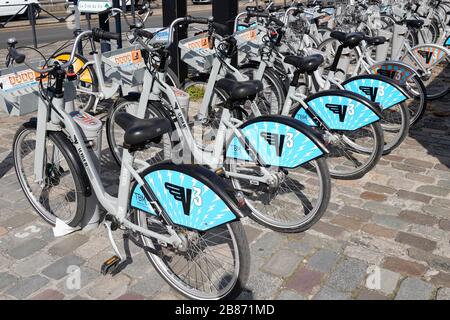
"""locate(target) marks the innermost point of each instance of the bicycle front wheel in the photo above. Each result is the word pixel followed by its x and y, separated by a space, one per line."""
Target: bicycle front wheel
pixel 60 194
pixel 214 266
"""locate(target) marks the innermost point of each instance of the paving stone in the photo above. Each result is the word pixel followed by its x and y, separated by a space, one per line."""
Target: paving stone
pixel 388 281
pixel 300 247
pixel 267 244
pixel 433 190
pixel 442 279
pixel 282 263
pixel 392 157
pixel 378 188
pixel 7 280
pixel 404 266
pixel 379 231
pixel 93 247
pixel 367 195
pixel 4 263
pixel 304 280
pixel 444 224
pixel 149 285
pixel 417 218
pixel 77 278
pixel 263 286
pixel 33 264
pixel 419 163
pixel 347 222
pixel 363 254
pixel 443 294
pixel 420 178
pixel 390 222
pixel 415 241
pixel 408 168
pixel 328 229
pixel 27 248
pixel 366 294
pixel 48 294
pixel 408 195
pixel 436 211
pixel 58 269
pixel 18 220
pixel 414 289
pixel 131 296
pixel 3 231
pixel 444 184
pixel 108 287
pixel 348 275
pixel 363 215
pixel 68 245
pixel 323 260
pixel 381 208
pixel 327 293
pixel 400 183
pixel 290 295
pixel 25 287
pixel 434 261
pixel 252 233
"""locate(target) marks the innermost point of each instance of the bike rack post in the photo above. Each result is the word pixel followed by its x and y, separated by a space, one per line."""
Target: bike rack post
pixel 103 23
pixel 116 4
pixel 77 25
pixel 172 10
pixel 224 12
pixel 32 20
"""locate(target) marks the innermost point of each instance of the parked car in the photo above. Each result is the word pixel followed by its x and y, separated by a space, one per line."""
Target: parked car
pixel 201 1
pixel 11 7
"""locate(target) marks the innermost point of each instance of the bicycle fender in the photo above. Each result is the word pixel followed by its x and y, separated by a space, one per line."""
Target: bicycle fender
pixel 277 141
pixel 72 153
pixel 378 89
pixel 191 196
pixel 429 55
pixel 397 71
pixel 339 110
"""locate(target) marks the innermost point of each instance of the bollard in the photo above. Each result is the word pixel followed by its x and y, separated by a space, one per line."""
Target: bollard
pixel 32 20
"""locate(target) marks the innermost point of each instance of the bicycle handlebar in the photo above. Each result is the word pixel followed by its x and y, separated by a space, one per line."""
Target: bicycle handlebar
pixel 99 34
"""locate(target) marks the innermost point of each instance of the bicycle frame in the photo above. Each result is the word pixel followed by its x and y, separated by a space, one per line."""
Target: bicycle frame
pixel 116 206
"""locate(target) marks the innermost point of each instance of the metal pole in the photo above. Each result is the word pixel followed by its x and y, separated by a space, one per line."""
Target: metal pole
pixel 173 9
pixel 32 20
pixel 104 25
pixel 133 11
pixel 118 21
pixel 224 12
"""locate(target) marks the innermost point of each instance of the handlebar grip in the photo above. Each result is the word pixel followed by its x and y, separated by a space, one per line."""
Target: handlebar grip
pixel 221 29
pixel 190 19
pixel 258 15
pixel 16 56
pixel 99 34
pixel 144 33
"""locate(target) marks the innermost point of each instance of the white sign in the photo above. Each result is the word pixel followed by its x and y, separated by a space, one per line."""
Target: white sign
pixel 94 6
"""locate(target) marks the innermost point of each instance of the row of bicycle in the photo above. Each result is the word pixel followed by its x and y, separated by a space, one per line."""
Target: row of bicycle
pixel 303 104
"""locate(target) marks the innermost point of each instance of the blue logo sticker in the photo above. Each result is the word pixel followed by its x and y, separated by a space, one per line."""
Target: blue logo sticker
pixel 187 201
pixel 277 145
pixel 376 90
pixel 339 112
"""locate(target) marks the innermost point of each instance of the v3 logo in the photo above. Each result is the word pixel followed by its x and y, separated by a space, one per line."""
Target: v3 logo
pixel 339 109
pixel 184 195
pixel 427 55
pixel 387 73
pixel 370 91
pixel 277 140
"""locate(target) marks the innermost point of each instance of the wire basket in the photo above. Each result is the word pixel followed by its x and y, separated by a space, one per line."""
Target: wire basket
pixel 196 52
pixel 249 41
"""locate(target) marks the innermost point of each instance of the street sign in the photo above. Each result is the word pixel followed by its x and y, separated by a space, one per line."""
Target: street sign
pixel 94 6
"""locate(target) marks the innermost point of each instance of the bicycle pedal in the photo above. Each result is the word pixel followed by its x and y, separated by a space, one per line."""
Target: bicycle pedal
pixel 110 265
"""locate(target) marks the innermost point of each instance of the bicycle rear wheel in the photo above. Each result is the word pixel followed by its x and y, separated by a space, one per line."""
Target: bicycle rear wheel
pixel 215 265
pixel 354 153
pixel 61 194
pixel 395 125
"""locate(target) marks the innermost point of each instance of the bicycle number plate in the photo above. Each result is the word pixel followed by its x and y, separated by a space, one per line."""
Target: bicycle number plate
pixel 128 60
pixel 20 80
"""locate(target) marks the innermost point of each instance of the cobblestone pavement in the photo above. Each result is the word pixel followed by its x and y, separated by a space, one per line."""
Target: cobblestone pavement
pixel 385 236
